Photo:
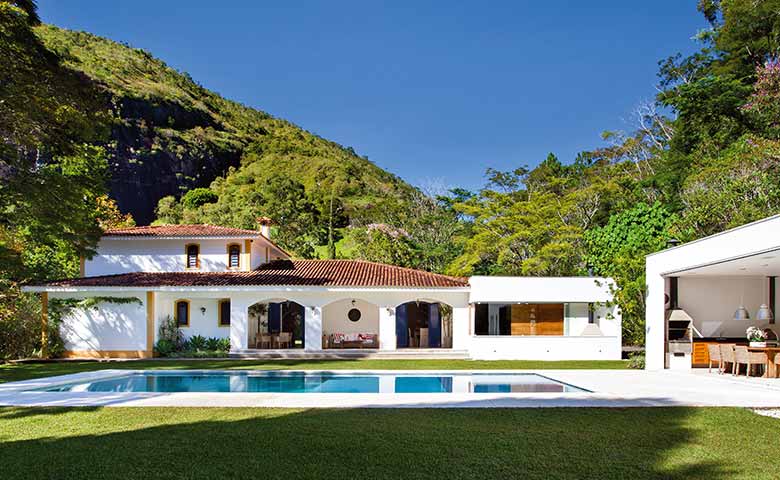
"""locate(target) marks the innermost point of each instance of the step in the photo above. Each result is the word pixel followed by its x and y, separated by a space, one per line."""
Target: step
pixel 410 354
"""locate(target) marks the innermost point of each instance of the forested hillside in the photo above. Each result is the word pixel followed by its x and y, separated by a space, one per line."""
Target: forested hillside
pixel 91 130
pixel 170 135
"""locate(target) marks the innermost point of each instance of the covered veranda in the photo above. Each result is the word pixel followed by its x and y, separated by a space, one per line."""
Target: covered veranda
pixel 352 322
pixel 705 294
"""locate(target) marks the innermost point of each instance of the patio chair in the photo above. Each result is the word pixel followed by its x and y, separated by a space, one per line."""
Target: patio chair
pixel 777 362
pixel 714 350
pixel 263 340
pixel 727 356
pixel 284 338
pixel 750 359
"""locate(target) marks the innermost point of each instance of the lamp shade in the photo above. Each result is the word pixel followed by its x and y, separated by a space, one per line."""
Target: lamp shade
pixel 741 313
pixel 765 314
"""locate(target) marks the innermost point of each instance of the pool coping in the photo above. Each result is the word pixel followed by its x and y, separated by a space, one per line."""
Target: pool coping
pixel 607 389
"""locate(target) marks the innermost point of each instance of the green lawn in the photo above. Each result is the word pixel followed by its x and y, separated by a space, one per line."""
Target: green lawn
pixel 24 371
pixel 215 443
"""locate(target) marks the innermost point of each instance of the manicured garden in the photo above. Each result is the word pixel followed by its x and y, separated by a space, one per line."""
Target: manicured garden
pixel 149 443
pixel 11 372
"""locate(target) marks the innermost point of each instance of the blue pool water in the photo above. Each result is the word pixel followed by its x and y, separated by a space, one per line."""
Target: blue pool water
pixel 304 382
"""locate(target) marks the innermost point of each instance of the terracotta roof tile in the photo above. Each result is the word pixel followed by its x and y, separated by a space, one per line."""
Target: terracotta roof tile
pixel 181 231
pixel 327 273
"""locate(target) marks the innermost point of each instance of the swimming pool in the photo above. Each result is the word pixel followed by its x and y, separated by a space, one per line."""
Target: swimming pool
pixel 307 382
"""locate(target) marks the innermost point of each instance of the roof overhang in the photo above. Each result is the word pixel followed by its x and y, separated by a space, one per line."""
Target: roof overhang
pixel 752 250
pixel 244 288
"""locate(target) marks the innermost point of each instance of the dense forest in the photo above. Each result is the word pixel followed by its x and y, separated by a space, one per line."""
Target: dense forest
pixel 95 132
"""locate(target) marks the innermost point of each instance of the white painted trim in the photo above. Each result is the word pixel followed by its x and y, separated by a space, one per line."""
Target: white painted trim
pixel 725 232
pixel 248 288
pixel 201 237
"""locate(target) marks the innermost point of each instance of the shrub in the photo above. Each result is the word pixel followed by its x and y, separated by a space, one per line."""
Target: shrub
pixel 197 342
pixel 20 324
pixel 169 331
pixel 164 348
pixel 223 344
pixel 637 361
pixel 212 344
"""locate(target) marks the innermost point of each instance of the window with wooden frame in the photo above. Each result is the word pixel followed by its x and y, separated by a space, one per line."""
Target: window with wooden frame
pixel 234 256
pixel 192 254
pixel 224 313
pixel 181 312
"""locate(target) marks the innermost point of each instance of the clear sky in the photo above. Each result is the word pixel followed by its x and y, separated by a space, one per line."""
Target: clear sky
pixel 433 91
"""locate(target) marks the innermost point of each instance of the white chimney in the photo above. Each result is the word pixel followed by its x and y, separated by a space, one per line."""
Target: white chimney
pixel 264 225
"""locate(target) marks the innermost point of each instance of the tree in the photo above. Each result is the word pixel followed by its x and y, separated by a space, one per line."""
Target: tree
pixel 617 250
pixel 534 224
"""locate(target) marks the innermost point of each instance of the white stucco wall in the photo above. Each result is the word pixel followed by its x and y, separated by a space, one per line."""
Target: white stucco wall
pixel 545 348
pixel 109 326
pixel 335 318
pixel 205 324
pixel 153 255
pixel 539 289
pixel 711 302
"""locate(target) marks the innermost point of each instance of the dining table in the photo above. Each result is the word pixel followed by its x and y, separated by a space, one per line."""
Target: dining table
pixel 771 367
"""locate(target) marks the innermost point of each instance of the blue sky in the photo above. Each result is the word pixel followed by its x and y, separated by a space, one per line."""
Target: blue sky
pixel 432 91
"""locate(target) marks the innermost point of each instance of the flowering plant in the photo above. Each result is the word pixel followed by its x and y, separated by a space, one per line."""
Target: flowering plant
pixel 755 334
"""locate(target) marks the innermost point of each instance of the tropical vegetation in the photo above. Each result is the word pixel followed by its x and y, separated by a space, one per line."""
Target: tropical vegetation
pixel 81 114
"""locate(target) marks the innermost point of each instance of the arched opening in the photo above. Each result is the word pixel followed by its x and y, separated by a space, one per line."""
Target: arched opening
pixel 277 324
pixel 422 324
pixel 350 323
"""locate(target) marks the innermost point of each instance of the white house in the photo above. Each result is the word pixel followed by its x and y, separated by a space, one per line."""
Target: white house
pixel 237 284
pixel 710 291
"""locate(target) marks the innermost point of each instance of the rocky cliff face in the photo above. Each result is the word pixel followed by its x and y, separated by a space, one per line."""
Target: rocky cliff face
pixel 152 155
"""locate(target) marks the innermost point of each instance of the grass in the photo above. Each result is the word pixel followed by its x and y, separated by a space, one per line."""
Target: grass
pixel 153 443
pixel 12 372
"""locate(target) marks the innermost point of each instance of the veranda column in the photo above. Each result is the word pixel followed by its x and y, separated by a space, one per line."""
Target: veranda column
pixel 387 340
pixel 239 324
pixel 313 326
pixel 655 328
pixel 461 320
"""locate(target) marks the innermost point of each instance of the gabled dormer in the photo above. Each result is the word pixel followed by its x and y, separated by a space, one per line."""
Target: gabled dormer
pixel 182 248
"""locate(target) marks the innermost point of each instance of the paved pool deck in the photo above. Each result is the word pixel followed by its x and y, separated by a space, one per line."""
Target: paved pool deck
pixel 608 388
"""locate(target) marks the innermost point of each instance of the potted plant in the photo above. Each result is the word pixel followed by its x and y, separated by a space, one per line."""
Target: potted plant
pixel 756 337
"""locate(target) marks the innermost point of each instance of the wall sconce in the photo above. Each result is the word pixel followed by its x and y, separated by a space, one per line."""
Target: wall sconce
pixel 313 308
pixel 202 310
pixel 390 310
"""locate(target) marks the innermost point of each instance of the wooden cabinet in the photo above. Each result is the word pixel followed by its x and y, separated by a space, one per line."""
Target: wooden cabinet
pixel 700 356
pixel 537 319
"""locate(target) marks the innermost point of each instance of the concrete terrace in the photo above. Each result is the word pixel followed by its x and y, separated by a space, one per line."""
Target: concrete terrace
pixel 608 388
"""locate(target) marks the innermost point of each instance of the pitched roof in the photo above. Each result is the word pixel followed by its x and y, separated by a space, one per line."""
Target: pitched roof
pixel 326 273
pixel 183 231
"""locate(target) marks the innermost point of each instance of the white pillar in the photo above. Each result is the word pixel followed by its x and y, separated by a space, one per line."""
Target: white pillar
pixel 387 340
pixel 655 320
pixel 239 324
pixel 313 326
pixel 461 318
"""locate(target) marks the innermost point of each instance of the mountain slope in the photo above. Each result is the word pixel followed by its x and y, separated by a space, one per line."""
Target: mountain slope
pixel 172 135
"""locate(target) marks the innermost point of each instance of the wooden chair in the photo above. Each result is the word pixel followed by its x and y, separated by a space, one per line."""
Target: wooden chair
pixel 714 350
pixel 777 363
pixel 750 359
pixel 727 356
pixel 263 340
pixel 284 338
